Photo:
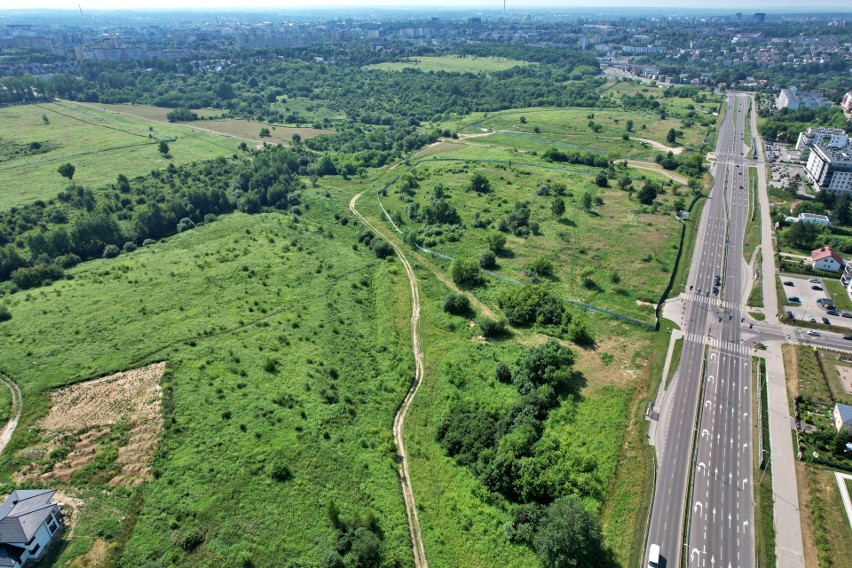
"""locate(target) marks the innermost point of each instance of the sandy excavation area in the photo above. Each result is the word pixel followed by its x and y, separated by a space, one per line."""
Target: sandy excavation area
pixel 120 411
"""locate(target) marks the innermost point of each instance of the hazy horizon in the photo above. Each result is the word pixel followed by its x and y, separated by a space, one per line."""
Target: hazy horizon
pixel 778 6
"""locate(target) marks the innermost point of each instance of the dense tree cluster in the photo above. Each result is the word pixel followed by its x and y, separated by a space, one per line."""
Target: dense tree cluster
pixel 41 239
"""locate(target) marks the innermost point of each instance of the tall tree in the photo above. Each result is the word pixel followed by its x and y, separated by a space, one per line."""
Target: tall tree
pixel 557 206
pixel 842 213
pixel 569 535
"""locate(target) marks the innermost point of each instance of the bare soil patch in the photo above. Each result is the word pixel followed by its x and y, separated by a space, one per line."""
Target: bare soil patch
pixel 845 377
pixel 107 429
pixel 438 148
pixel 660 146
pixel 96 556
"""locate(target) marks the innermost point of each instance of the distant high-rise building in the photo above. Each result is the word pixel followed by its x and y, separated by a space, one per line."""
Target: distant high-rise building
pixel 758 17
pixel 738 16
pixel 474 21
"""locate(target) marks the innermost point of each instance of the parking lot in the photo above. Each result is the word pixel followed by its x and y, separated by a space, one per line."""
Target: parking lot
pixel 810 309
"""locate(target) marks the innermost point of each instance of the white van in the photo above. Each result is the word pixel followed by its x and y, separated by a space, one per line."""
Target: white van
pixel 654 556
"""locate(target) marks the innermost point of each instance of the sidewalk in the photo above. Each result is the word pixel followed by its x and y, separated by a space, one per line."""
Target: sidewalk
pixel 659 418
pixel 788 527
pixel 788 524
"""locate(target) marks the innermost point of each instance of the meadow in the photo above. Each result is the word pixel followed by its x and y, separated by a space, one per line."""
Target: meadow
pixel 218 123
pixel 618 255
pixel 99 144
pixel 453 64
pixel 298 366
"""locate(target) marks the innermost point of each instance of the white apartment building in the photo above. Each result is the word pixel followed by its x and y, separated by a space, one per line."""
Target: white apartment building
pixel 834 138
pixel 830 169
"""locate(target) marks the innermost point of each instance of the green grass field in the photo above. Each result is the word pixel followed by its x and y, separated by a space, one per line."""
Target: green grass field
pixel 101 145
pixel 751 238
pixel 453 64
pixel 571 127
pixel 332 320
pixel 631 254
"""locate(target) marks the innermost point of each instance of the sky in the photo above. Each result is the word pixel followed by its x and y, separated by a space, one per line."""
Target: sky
pixel 301 5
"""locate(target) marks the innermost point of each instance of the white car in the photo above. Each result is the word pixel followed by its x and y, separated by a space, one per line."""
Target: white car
pixel 813 332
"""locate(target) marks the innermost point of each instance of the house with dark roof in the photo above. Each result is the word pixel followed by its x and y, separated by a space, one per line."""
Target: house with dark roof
pixel 842 415
pixel 29 520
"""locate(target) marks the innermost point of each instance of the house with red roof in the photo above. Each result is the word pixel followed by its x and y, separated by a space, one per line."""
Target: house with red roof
pixel 826 259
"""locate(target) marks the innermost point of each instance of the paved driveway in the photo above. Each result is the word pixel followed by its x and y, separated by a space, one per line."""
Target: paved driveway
pixel 802 289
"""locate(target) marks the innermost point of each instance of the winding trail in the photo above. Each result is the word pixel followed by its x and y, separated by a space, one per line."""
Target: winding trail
pixel 402 413
pixel 14 411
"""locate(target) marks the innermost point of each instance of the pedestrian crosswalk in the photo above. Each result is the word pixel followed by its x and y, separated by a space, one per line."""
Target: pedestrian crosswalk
pixel 725 346
pixel 710 300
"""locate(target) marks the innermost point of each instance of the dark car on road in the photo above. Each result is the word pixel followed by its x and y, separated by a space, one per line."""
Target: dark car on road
pixel 788 283
pixel 825 321
pixel 849 337
pixel 794 300
pixel 833 312
pixel 791 315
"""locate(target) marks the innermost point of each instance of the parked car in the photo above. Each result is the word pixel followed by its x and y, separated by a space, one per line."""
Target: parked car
pixel 791 315
pixel 788 283
pixel 848 337
pixel 846 315
pixel 825 321
pixel 814 280
pixel 833 312
pixel 817 288
pixel 812 319
pixel 813 332
pixel 794 300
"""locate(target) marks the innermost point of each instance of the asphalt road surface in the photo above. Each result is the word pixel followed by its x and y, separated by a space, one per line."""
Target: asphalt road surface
pixel 715 370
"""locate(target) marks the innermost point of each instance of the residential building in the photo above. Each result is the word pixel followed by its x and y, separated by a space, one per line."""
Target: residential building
pixel 826 259
pixel 794 99
pixel 830 169
pixel 29 520
pixel 842 418
pixel 787 98
pixel 846 103
pixel 834 138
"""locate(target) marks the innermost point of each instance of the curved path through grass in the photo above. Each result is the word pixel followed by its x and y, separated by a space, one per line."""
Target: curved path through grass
pixel 14 412
pixel 402 413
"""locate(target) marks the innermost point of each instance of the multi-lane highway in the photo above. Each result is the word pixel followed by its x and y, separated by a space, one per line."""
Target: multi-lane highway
pixel 706 426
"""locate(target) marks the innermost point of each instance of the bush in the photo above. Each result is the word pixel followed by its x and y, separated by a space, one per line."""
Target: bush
pixel 5 314
pixel 541 267
pixel 496 242
pixel 36 275
pixel 490 327
pixel 148 242
pixel 502 373
pixel 279 471
pixel 532 304
pixel 456 304
pixel 488 259
pixel 111 251
pixel 381 248
pixel 465 272
pixel 67 261
pixel 129 246
pixel 185 224
pixel 568 535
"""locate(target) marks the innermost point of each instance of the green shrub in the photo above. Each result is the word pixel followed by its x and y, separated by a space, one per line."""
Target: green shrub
pixel 111 251
pixel 5 314
pixel 456 304
pixel 465 272
pixel 36 275
pixel 488 259
pixel 490 327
